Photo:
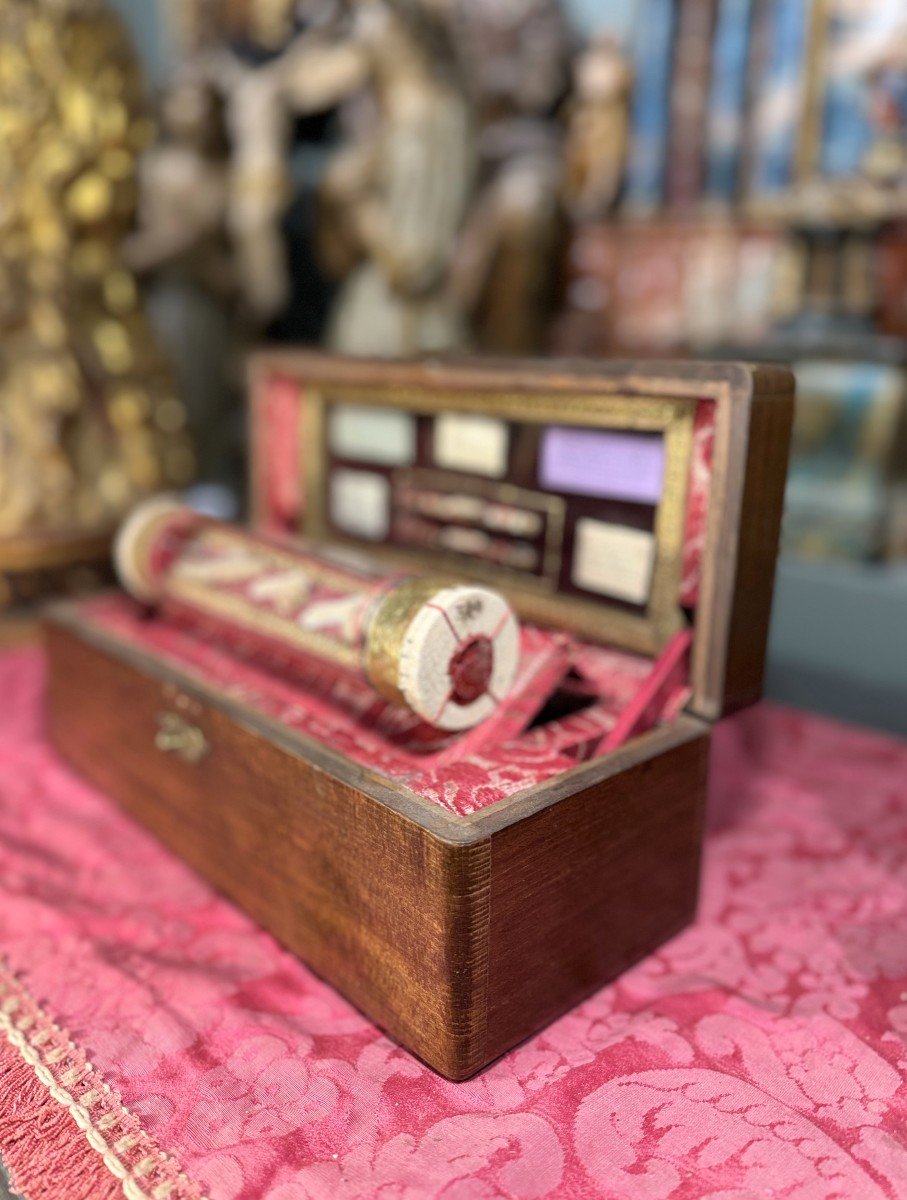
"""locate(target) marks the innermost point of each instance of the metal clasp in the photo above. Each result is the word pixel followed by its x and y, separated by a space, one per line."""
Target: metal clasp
pixel 176 736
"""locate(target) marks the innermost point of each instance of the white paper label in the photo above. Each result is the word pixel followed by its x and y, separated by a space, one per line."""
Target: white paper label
pixel 373 435
pixel 613 560
pixel 360 504
pixel 474 444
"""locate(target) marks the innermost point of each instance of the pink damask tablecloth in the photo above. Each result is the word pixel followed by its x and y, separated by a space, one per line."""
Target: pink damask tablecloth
pixel 156 1043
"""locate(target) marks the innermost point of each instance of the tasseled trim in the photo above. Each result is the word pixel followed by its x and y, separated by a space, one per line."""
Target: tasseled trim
pixel 63 1131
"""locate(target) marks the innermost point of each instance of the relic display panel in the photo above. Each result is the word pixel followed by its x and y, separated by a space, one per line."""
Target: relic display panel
pixel 595 505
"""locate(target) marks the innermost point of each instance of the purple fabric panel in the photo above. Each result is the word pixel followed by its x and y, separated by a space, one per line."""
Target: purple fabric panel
pixel 620 466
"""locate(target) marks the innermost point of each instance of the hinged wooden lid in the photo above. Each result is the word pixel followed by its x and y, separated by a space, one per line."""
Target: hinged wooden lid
pixel 718 433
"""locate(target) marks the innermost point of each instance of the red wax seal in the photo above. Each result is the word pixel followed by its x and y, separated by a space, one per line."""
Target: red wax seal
pixel 470 670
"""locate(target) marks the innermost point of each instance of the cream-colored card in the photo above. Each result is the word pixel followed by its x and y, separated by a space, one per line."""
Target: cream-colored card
pixel 613 560
pixel 474 444
pixel 360 504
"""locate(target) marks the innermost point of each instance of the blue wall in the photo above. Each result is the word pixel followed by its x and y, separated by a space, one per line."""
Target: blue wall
pixel 144 18
pixel 591 15
pixel 145 21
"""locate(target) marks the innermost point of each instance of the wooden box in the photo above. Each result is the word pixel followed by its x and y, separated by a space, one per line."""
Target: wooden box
pixel 465 912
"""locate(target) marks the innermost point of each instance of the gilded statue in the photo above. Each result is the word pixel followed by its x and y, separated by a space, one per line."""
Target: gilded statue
pixel 89 420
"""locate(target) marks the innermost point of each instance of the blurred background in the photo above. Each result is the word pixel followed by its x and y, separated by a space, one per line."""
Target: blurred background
pixel 714 179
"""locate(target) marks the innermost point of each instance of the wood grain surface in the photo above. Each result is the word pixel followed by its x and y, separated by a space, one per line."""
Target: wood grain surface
pixel 459 936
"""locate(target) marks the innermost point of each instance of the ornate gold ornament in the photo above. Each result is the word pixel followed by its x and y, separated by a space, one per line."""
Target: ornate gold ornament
pixel 88 418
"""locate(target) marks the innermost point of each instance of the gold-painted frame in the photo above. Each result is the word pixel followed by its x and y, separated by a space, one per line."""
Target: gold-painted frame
pixel 598 619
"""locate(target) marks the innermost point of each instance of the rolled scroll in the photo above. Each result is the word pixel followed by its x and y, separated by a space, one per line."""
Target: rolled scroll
pixel 448 652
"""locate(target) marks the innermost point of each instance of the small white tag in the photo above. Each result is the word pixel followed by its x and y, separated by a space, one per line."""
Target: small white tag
pixel 373 435
pixel 360 504
pixel 613 560
pixel 474 444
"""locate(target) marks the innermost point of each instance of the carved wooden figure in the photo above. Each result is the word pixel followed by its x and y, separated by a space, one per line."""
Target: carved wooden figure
pixel 597 130
pixel 516 62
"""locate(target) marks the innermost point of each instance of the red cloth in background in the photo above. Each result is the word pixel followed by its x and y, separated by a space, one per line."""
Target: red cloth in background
pixel 760 1053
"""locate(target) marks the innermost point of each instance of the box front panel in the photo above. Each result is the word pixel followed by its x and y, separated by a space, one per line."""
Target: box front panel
pixel 384 909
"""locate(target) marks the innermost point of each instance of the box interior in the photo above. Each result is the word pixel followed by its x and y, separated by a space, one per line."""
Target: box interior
pixel 494 497
pixel 597 697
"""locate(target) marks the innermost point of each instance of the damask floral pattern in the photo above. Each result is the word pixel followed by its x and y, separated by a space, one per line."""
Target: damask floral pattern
pixel 700 487
pixel 761 1053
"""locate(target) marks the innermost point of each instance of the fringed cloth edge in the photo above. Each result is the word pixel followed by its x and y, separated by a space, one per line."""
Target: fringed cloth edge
pixel 64 1132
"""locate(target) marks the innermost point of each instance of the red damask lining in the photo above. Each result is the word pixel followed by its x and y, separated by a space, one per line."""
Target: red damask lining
pixel 462 774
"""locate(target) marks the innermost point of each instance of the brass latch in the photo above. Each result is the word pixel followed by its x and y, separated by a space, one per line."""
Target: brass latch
pixel 175 735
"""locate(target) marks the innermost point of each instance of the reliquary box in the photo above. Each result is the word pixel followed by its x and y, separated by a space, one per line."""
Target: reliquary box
pixel 465 890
